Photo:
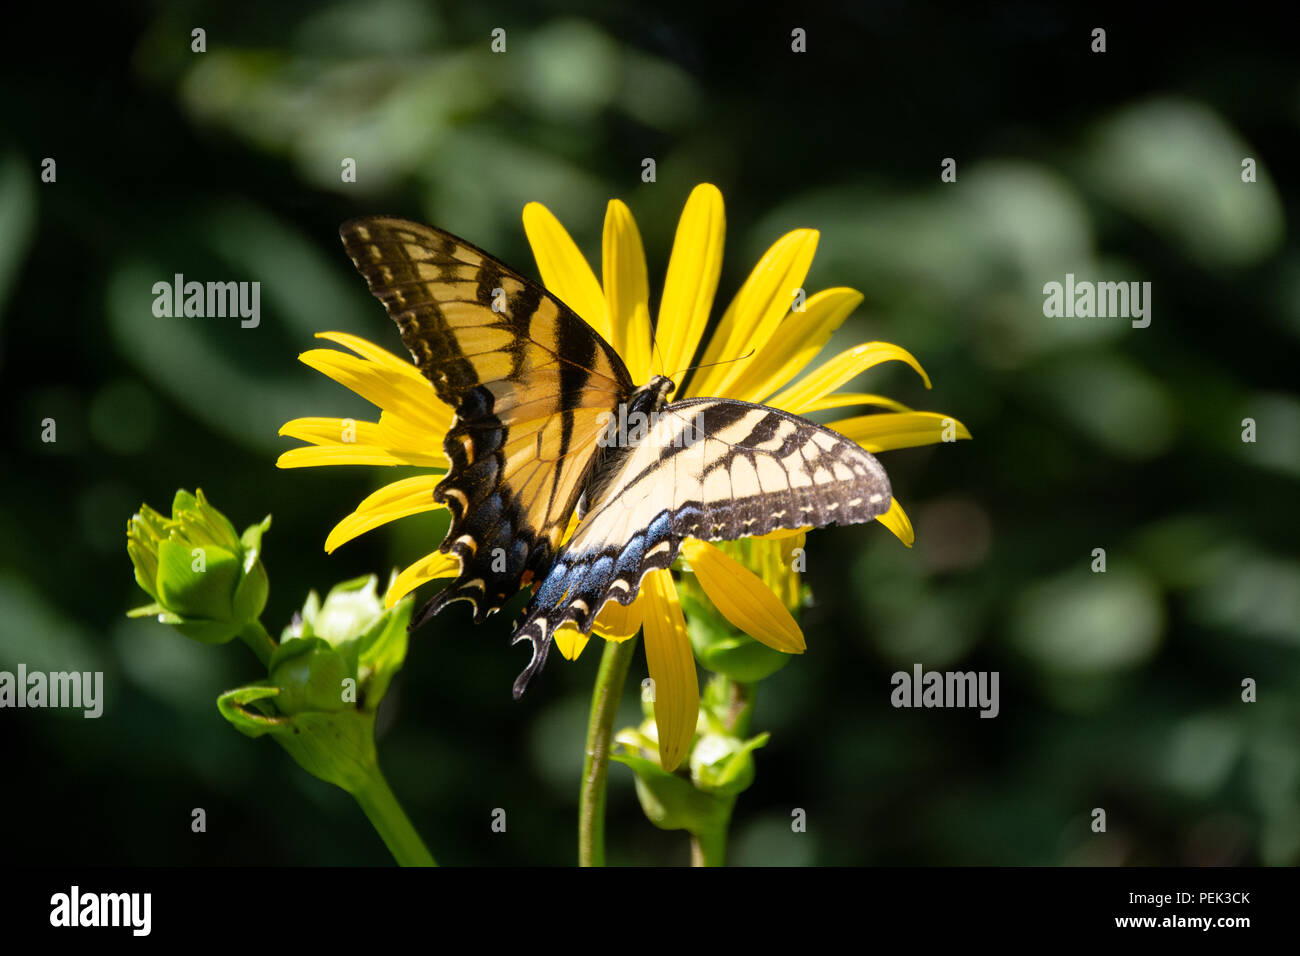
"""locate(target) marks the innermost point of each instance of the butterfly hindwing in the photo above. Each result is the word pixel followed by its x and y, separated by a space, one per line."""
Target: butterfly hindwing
pixel 531 384
pixel 710 468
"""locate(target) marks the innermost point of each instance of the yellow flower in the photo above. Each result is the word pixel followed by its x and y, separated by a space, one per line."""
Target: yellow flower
pixel 759 323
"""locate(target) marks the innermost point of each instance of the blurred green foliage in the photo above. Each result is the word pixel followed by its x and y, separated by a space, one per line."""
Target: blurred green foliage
pixel 1119 690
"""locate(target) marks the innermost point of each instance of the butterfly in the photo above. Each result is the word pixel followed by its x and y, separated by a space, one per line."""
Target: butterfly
pixel 549 424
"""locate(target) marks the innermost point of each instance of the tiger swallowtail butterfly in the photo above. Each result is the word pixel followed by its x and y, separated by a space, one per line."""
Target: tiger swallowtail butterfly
pixel 534 389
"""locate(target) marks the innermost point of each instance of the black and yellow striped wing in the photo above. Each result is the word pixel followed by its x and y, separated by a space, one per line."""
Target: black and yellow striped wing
pixel 709 468
pixel 531 384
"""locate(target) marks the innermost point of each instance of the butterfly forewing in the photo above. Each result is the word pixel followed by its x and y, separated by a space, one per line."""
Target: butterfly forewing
pixel 531 383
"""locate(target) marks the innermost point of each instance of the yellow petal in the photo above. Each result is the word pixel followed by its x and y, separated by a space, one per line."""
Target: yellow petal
pixel 827 377
pixel 429 567
pixel 692 278
pixel 672 668
pixel 410 496
pixel 617 623
pixel 315 455
pixel 774 561
pixel 376 354
pixel 570 641
pixel 795 343
pixel 398 440
pixel 614 623
pixel 756 311
pixel 843 399
pixel 565 271
pixel 627 290
pixel 379 385
pixel 781 533
pixel 889 430
pixel 414 441
pixel 332 431
pixel 896 520
pixel 742 597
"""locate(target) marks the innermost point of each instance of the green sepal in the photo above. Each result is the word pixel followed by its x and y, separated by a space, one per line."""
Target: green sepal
pixel 731 774
pixel 336 747
pixel 205 632
pixel 671 802
pixel 310 674
pixel 250 723
pixel 190 593
pixel 724 650
pixel 382 651
pixel 254 587
pixel 203 523
pixel 147 610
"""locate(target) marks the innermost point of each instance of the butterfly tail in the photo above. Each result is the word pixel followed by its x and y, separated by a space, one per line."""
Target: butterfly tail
pixel 537 632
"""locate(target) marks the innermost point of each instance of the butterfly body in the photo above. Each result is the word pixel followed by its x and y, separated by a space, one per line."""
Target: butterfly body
pixel 548 422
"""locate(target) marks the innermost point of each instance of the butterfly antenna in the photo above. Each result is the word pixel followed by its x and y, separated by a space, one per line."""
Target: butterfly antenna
pixel 654 346
pixel 692 368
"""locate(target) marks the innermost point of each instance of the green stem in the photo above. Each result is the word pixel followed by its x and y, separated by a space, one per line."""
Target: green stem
pixel 605 699
pixel 260 642
pixel 394 827
pixel 741 708
pixel 709 849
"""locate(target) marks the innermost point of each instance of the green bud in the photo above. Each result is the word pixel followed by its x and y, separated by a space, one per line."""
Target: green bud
pixel 720 764
pixel 205 580
pixel 326 678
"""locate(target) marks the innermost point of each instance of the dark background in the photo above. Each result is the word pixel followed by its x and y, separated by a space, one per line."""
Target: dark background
pixel 1119 691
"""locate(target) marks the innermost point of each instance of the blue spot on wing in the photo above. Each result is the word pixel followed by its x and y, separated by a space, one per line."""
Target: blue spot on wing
pixel 659 529
pixel 628 565
pixel 552 587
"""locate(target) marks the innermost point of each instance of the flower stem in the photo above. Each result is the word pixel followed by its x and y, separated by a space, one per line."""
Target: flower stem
pixel 605 699
pixel 709 849
pixel 259 642
pixel 390 821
